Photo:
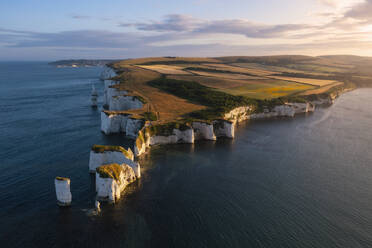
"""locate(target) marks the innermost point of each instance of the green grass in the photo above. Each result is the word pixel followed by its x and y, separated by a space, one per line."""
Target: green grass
pixel 166 129
pixel 268 89
pixel 218 101
pixel 102 149
pixel 150 116
pixel 140 139
pixel 216 70
pixel 62 178
pixel 110 171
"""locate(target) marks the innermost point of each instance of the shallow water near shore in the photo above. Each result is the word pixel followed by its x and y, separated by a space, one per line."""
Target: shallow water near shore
pixel 302 182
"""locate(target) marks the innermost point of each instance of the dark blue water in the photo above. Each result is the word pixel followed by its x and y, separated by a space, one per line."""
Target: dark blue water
pixel 303 182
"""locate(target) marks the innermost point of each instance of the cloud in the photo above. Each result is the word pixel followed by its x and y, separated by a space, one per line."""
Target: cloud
pixel 183 23
pixel 332 3
pixel 179 23
pixel 354 17
pixel 81 17
pixel 361 11
pixel 249 29
pixel 79 38
pixel 186 35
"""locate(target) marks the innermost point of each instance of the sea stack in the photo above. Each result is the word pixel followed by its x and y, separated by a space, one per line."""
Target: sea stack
pixel 63 192
pixel 111 180
pixel 101 155
pixel 94 97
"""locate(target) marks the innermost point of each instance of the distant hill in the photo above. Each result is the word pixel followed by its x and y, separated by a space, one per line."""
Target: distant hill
pixel 81 62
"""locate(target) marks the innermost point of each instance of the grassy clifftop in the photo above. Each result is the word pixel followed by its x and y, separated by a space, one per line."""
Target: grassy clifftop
pixel 178 88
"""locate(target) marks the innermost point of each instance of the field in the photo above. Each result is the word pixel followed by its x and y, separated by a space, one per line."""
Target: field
pixel 271 69
pixel 311 81
pixel 225 75
pixel 167 107
pixel 268 89
pixel 261 88
pixel 321 90
pixel 166 69
pixel 173 87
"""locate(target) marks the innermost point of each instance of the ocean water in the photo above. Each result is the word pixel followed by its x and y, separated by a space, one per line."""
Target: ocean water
pixel 302 182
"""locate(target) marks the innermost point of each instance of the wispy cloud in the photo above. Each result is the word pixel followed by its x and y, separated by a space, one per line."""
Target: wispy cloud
pixel 183 23
pixel 81 17
pixel 186 35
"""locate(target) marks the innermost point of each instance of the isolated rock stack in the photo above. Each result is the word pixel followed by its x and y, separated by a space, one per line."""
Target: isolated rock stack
pixel 63 193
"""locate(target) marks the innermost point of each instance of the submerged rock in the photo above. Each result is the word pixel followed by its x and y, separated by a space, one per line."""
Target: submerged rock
pixel 63 193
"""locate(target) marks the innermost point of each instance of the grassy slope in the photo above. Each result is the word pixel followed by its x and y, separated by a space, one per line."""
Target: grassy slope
pixel 223 79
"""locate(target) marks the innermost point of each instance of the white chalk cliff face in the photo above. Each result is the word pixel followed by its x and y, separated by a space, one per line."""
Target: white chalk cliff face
pixel 107 73
pixel 108 91
pixel 118 100
pixel 223 128
pixel 120 123
pixel 198 131
pixel 178 136
pixel 109 189
pixel 105 155
pixel 97 159
pixel 219 128
pixel 63 192
pixel 145 140
pixel 203 131
pixel 124 102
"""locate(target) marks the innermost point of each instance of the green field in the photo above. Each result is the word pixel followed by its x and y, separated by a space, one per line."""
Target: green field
pixel 173 87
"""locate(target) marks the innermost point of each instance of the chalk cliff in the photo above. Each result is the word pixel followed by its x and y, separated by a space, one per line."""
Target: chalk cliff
pixel 146 134
pixel 111 180
pixel 101 155
pixel 204 131
pixel 112 122
pixel 124 102
pixel 223 128
pixel 63 193
pixel 107 73
pixel 118 100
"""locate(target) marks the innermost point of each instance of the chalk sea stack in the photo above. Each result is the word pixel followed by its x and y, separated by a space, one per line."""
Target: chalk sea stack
pixel 63 193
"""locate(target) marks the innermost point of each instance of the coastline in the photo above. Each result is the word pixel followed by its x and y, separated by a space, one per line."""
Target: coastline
pixel 145 134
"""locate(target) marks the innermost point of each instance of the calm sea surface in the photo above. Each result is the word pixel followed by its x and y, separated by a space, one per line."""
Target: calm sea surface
pixel 302 182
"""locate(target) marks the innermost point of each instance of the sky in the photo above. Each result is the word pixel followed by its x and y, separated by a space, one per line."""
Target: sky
pixel 113 29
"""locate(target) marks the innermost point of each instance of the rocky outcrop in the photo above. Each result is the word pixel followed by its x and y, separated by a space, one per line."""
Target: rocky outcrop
pixel 100 155
pixel 284 110
pixel 115 122
pixel 111 180
pixel 203 130
pixel 63 193
pixel 109 92
pixel 187 134
pixel 239 114
pixel 300 108
pixel 147 137
pixel 224 128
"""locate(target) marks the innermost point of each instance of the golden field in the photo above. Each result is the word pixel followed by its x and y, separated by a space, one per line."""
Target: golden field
pixel 251 77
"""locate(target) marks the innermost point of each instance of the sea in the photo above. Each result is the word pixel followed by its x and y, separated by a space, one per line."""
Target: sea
pixel 288 182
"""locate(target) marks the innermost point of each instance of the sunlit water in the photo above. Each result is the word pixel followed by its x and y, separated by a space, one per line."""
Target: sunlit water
pixel 302 182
